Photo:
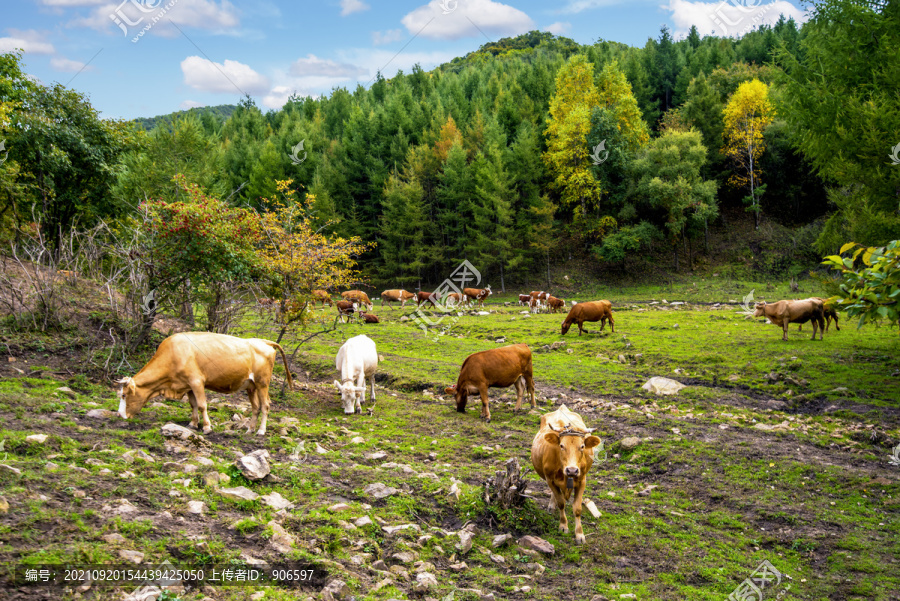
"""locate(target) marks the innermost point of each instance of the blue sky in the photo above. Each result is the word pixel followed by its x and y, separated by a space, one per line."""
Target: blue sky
pixel 140 58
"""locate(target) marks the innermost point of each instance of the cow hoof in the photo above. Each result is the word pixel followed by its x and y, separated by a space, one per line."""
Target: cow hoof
pixel 579 539
pixel 207 430
pixel 564 529
pixel 261 433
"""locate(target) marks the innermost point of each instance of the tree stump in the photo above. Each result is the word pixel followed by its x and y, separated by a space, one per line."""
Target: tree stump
pixel 506 488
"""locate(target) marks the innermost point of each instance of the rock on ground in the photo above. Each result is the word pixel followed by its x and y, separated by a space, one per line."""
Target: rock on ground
pixel 255 465
pixel 660 385
pixel 536 543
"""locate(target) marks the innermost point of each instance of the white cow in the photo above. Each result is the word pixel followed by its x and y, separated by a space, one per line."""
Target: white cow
pixel 356 360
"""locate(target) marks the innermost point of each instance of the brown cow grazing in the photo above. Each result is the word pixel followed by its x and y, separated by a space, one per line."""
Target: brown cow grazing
pixel 396 296
pixel 323 297
pixel 368 317
pixel 556 304
pixel 191 362
pixel 592 311
pixel 524 299
pixel 477 294
pixel 454 299
pixel 345 309
pixel 562 453
pixel 426 297
pixel 359 297
pixel 265 302
pixel 830 313
pixel 535 304
pixel 786 312
pixel 540 295
pixel 495 368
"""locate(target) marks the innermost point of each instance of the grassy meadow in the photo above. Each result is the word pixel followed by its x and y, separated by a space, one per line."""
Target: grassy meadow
pixel 775 451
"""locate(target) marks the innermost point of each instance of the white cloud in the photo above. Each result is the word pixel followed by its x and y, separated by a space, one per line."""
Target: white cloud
pixel 190 104
pixel 228 77
pixel 31 41
pixel 352 6
pixel 63 64
pixel 730 18
pixel 558 28
pixel 65 3
pixel 379 38
pixel 313 65
pixel 577 6
pixel 128 18
pixel 469 18
pixel 278 96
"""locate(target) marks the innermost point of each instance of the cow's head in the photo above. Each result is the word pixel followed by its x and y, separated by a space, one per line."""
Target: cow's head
pixel 130 403
pixel 574 449
pixel 565 327
pixel 760 309
pixel 461 394
pixel 349 395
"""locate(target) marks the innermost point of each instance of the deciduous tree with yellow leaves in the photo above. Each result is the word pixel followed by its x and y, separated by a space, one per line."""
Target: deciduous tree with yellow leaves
pixel 746 116
pixel 568 152
pixel 299 258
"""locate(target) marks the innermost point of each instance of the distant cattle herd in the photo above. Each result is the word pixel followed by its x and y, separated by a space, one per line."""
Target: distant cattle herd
pixel 562 450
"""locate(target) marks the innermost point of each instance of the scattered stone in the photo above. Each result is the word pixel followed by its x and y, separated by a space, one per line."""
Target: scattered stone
pixel 379 490
pixel 733 378
pixel 214 479
pixel 205 461
pixel 255 465
pixel 376 456
pixel 196 507
pixel 557 345
pixel 239 493
pixel 4 506
pixel 280 540
pixel 363 521
pixel 276 501
pixel 379 566
pixel 339 507
pixel 425 580
pixel 10 469
pixel 763 427
pixel 465 541
pixel 337 588
pixel 36 439
pixel 497 558
pixel 622 359
pixel 171 430
pixel 660 385
pixel 776 405
pixel 392 530
pixel 500 540
pixel 536 543
pixel 459 567
pixel 630 442
pixel 132 556
pixel 51 467
pixel 404 557
pixel 114 538
pixel 101 414
pixel 127 474
pixel 357 440
pixel 320 449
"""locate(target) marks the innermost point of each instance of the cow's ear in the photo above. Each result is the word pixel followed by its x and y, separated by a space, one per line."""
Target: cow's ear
pixel 591 441
pixel 337 385
pixel 552 437
pixel 359 388
pixel 450 390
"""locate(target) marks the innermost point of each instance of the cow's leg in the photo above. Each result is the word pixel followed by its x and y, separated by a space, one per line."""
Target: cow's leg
pixel 485 410
pixel 194 414
pixel 200 398
pixel 262 404
pixel 576 509
pixel 581 328
pixel 559 501
pixel 253 418
pixel 520 391
pixel 372 380
pixel 784 326
pixel 612 324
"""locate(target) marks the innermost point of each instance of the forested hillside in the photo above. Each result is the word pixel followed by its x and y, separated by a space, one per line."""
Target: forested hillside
pixel 212 117
pixel 526 152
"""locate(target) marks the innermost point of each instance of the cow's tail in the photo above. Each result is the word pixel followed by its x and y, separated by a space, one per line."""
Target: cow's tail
pixel 287 369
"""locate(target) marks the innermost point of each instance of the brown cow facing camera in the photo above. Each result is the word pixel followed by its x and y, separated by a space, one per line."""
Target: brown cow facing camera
pixel 562 453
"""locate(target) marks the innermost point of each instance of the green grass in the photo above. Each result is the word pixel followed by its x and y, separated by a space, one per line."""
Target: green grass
pixel 813 494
